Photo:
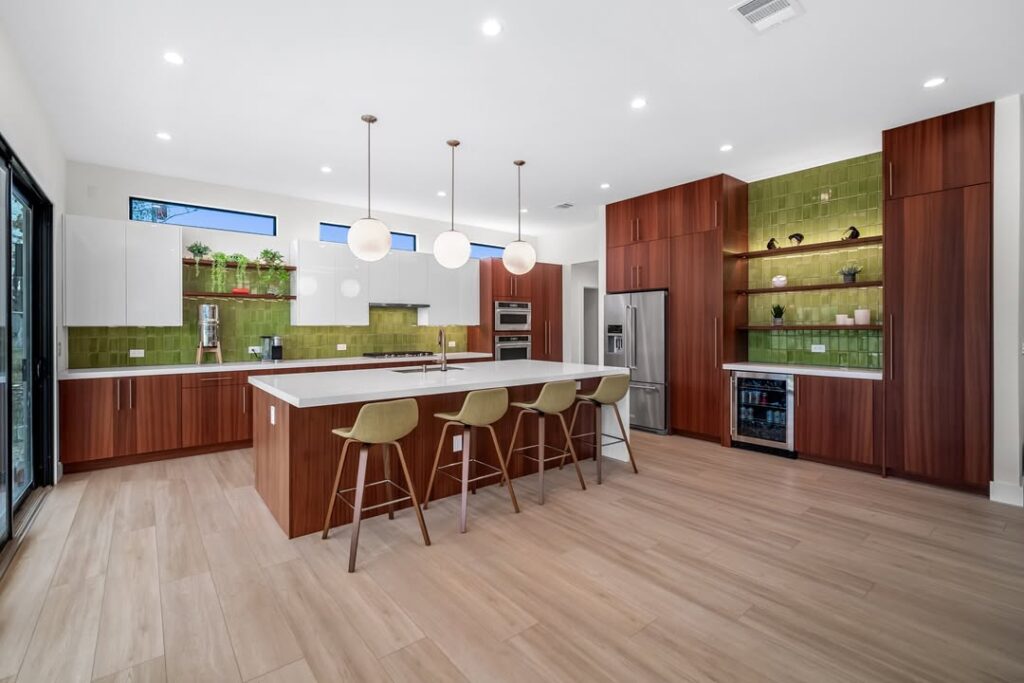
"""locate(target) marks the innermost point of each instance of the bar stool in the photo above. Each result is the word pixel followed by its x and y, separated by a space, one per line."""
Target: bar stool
pixel 380 424
pixel 554 398
pixel 609 392
pixel 479 409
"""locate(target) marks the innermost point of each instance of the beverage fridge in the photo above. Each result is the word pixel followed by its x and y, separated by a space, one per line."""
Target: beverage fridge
pixel 762 409
pixel 635 339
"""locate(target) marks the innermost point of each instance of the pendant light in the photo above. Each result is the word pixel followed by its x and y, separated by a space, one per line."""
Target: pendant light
pixel 368 238
pixel 519 256
pixel 451 248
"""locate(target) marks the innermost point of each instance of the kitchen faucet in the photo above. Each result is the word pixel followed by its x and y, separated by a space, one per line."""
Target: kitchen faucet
pixel 442 341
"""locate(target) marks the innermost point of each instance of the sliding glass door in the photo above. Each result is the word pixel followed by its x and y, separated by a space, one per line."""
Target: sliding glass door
pixel 20 338
pixel 6 500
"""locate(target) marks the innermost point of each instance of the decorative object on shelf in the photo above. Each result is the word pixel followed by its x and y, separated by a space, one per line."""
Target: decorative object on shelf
pixel 198 251
pixel 218 271
pixel 862 316
pixel 241 263
pixel 849 272
pixel 209 333
pixel 368 238
pixel 851 233
pixel 270 270
pixel 519 257
pixel 796 238
pixel 841 318
pixel 778 311
pixel 780 281
pixel 772 244
pixel 451 248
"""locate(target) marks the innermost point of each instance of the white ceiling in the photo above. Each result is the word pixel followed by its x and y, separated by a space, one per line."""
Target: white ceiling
pixel 272 90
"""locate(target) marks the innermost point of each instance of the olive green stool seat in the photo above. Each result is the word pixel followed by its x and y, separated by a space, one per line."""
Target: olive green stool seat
pixel 376 424
pixel 554 399
pixel 609 392
pixel 479 409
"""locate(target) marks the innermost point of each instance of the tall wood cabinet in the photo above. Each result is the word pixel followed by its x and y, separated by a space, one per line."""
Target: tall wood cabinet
pixel 938 298
pixel 547 312
pixel 541 287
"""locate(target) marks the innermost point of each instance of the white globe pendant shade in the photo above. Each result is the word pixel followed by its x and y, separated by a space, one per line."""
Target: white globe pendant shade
pixel 519 257
pixel 451 249
pixel 369 239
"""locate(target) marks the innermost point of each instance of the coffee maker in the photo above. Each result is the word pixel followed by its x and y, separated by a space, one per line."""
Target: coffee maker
pixel 271 348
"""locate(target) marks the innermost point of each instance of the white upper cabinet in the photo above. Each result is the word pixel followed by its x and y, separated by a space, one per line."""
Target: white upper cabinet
pixel 331 285
pixel 121 273
pixel 453 296
pixel 400 278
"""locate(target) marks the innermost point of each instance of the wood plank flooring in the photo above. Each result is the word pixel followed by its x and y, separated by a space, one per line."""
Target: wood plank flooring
pixel 710 565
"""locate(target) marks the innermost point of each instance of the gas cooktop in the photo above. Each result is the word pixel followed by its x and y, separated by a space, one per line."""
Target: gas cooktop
pixel 398 354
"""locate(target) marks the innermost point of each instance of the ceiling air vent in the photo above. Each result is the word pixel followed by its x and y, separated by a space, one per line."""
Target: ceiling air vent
pixel 762 15
pixel 564 205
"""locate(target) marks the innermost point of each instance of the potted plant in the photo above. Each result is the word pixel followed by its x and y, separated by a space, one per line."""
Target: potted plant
pixel 198 251
pixel 849 272
pixel 241 264
pixel 778 311
pixel 270 270
pixel 218 271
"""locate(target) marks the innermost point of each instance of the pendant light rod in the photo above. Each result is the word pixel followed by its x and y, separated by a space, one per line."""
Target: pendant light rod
pixel 370 119
pixel 519 197
pixel 453 144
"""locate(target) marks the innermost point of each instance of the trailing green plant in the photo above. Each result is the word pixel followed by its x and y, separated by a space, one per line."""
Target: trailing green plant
pixel 219 270
pixel 270 270
pixel 198 251
pixel 241 264
pixel 850 269
pixel 778 310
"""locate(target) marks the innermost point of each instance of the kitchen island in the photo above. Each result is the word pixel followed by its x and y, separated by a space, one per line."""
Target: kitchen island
pixel 295 453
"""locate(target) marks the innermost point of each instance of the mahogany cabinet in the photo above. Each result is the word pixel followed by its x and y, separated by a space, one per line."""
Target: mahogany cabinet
pixel 698 206
pixel 938 374
pixel 547 312
pixel 941 153
pixel 505 285
pixel 637 267
pixel 86 419
pixel 215 409
pixel 838 421
pixel 639 219
pixel 542 287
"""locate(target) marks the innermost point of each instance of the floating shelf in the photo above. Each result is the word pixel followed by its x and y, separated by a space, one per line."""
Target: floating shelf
pixel 784 328
pixel 806 248
pixel 810 288
pixel 230 264
pixel 230 295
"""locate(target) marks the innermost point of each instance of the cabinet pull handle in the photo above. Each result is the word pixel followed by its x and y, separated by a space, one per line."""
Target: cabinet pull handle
pixel 716 213
pixel 244 407
pixel 214 379
pixel 639 276
pixel 118 384
pixel 798 383
pixel 638 229
pixel 715 351
pixel 131 396
pixel 890 179
pixel 892 345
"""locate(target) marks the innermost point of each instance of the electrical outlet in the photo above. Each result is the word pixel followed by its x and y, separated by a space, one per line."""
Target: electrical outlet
pixel 342 347
pixel 457 442
pixel 136 353
pixel 579 385
pixel 818 348
pixel 273 415
pixel 451 345
pixel 256 350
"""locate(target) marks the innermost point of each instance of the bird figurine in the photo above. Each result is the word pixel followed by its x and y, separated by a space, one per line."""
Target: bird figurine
pixel 851 233
pixel 796 238
pixel 772 244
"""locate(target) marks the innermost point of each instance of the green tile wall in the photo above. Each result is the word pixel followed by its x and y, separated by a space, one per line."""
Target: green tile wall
pixel 242 322
pixel 821 203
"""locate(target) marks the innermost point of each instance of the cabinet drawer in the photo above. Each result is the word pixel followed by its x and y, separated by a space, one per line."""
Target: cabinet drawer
pixel 213 379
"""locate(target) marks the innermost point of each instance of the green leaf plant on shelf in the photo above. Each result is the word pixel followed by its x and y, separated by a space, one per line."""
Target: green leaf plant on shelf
pixel 219 271
pixel 271 273
pixel 849 272
pixel 241 264
pixel 778 310
pixel 198 251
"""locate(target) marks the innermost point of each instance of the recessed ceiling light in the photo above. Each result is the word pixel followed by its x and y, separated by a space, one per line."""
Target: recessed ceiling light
pixel 605 186
pixel 934 82
pixel 166 137
pixel 491 27
pixel 638 103
pixel 524 211
pixel 326 169
pixel 442 193
pixel 725 148
pixel 174 58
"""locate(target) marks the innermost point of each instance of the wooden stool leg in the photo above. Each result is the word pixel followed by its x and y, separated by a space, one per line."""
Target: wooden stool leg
pixel 572 426
pixel 412 493
pixel 337 487
pixel 629 446
pixel 572 452
pixel 437 460
pixel 512 444
pixel 504 469
pixel 466 439
pixel 541 440
pixel 387 476
pixel 357 512
pixel 598 434
pixel 472 464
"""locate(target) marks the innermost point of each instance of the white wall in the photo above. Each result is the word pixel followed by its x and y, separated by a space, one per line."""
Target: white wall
pixel 1007 302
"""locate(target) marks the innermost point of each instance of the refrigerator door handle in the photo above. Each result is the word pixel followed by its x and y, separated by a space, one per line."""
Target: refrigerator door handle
pixel 633 333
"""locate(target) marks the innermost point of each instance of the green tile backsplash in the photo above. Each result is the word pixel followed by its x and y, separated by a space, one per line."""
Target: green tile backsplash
pixel 821 203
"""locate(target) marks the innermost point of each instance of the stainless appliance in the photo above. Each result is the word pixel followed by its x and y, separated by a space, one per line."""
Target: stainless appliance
pixel 266 348
pixel 209 326
pixel 762 409
pixel 512 347
pixel 635 339
pixel 512 315
pixel 277 348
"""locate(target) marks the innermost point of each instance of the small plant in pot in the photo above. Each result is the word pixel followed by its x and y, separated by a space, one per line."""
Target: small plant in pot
pixel 219 271
pixel 849 272
pixel 778 310
pixel 270 270
pixel 198 251
pixel 241 264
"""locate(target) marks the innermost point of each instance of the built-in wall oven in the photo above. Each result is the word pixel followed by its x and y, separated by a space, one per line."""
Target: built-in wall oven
pixel 512 347
pixel 762 409
pixel 511 316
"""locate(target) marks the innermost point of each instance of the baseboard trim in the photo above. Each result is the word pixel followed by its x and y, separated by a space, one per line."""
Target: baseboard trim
pixel 1007 493
pixel 89 465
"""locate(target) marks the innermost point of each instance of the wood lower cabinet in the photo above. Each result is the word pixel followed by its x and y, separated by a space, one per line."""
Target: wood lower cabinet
pixel 86 419
pixel 547 312
pixel 838 420
pixel 216 414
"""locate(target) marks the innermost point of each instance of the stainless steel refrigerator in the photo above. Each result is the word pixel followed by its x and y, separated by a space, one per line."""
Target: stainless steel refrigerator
pixel 635 339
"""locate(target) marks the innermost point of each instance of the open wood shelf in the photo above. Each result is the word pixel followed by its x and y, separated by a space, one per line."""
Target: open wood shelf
pixel 783 328
pixel 810 288
pixel 230 295
pixel 230 264
pixel 806 248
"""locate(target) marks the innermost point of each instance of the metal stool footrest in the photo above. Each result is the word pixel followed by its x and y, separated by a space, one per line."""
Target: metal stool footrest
pixel 559 453
pixel 494 470
pixel 382 482
pixel 614 439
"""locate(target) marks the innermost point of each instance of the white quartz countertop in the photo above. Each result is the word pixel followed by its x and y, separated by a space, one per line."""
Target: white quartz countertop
pixel 812 370
pixel 309 390
pixel 253 366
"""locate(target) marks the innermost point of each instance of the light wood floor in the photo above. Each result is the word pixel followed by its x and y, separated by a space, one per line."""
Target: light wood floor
pixel 710 565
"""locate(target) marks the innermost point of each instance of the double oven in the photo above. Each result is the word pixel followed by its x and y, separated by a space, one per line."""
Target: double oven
pixel 512 320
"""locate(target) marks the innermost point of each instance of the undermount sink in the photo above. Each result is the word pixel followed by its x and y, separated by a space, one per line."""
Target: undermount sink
pixel 421 369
